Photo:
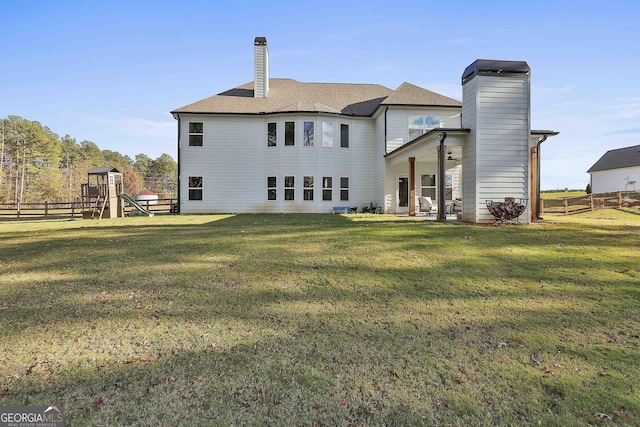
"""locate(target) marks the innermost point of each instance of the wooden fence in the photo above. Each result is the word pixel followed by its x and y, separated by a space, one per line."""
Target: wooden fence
pixel 72 209
pixel 572 205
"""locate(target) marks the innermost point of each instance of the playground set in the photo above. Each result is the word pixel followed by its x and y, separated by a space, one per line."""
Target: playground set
pixel 103 196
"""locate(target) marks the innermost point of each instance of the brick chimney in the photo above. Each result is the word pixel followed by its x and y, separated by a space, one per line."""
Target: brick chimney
pixel 261 68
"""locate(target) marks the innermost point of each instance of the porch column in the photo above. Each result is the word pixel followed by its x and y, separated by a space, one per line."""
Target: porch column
pixel 533 193
pixel 412 186
pixel 442 215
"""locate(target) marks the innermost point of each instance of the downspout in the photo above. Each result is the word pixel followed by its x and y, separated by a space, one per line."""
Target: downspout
pixel 544 138
pixel 385 129
pixel 442 216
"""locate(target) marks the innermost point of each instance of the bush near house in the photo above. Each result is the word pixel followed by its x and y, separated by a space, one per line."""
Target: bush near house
pixel 322 320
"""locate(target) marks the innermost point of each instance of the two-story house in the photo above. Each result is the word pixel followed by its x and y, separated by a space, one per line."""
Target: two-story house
pixel 283 146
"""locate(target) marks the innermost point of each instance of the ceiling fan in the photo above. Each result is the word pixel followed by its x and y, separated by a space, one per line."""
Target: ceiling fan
pixel 451 158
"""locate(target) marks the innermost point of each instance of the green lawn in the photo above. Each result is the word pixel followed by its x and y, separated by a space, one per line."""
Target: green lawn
pixel 562 194
pixel 322 320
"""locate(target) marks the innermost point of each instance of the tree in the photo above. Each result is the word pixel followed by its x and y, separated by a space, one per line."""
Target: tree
pixel 588 188
pixel 91 153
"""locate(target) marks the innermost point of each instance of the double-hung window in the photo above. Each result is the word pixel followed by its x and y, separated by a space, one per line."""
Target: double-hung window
pixel 344 188
pixel 272 189
pixel 428 186
pixel 195 188
pixel 308 188
pixel 196 133
pixel 289 188
pixel 327 187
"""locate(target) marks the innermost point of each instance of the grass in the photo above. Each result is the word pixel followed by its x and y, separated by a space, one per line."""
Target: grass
pixel 322 320
pixel 563 194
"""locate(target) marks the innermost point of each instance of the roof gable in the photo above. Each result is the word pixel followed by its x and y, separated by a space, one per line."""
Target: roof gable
pixel 627 157
pixel 408 94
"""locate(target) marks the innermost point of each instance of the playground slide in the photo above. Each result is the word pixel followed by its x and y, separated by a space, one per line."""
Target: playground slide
pixel 135 204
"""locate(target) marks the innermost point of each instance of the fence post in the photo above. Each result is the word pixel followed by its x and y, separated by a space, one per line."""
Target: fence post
pixel 541 206
pixel 619 199
pixel 591 201
pixel 566 207
pixel 46 208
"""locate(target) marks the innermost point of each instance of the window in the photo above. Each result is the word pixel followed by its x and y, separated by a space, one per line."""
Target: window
pixel 195 188
pixel 289 188
pixel 307 135
pixel 419 125
pixel 344 188
pixel 195 134
pixel 289 133
pixel 327 134
pixel 271 188
pixel 327 187
pixel 308 188
pixel 344 136
pixel 428 186
pixel 272 136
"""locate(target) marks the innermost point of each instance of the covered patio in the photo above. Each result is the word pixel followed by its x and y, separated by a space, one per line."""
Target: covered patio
pixel 432 165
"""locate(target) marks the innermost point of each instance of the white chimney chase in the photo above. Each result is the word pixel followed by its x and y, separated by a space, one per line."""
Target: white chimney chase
pixel 261 68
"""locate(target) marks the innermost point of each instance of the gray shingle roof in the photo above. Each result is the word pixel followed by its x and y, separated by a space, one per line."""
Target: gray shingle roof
pixel 617 159
pixel 408 94
pixel 288 95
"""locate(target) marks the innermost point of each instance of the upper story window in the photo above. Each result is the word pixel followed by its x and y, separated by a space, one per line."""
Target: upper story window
pixel 272 135
pixel 344 136
pixel 327 134
pixel 308 134
pixel 418 125
pixel 195 134
pixel 289 133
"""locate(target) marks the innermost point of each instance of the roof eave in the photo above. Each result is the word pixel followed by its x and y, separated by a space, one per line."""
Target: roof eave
pixel 430 134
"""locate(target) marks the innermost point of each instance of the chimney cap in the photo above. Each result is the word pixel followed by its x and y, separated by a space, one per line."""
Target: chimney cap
pixel 260 41
pixel 489 67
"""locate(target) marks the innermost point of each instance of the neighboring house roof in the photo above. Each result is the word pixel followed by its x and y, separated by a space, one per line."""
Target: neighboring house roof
pixel 288 95
pixel 104 170
pixel 617 159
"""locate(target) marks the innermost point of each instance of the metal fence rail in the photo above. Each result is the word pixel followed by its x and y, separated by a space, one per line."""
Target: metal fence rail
pixel 573 205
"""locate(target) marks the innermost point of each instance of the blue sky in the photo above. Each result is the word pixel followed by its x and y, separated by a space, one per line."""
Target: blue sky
pixel 110 71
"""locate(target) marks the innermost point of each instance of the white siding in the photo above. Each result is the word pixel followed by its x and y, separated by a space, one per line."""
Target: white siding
pixel 398 122
pixel 615 180
pixel 469 190
pixel 235 162
pixel 501 139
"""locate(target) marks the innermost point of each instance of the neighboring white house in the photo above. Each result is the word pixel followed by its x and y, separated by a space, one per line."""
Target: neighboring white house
pixel 616 170
pixel 283 146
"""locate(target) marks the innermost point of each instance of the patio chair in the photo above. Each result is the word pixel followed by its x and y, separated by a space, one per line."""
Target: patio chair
pixel 426 205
